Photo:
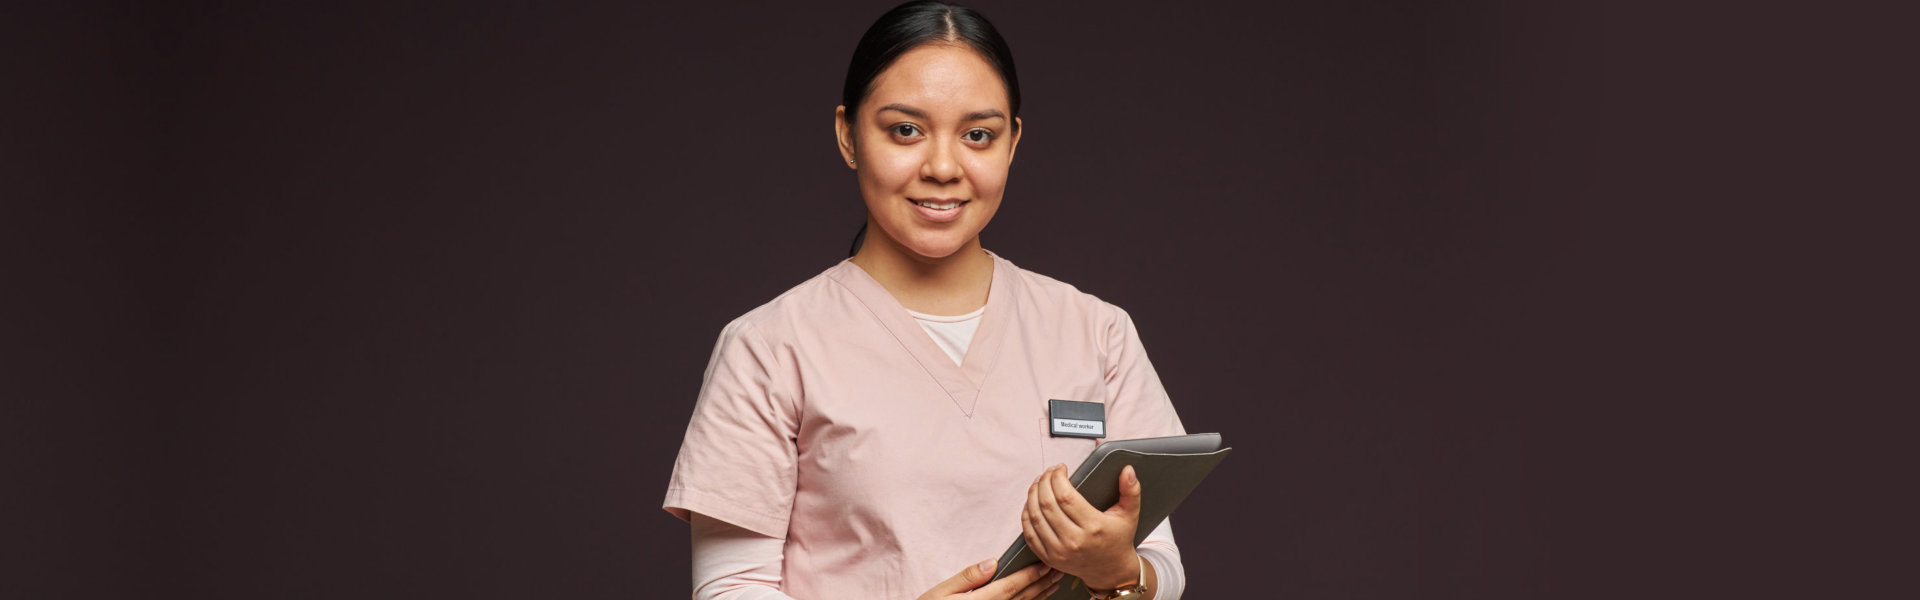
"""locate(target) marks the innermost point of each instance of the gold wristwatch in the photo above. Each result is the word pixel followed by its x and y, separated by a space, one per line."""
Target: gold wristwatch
pixel 1130 591
pixel 1125 592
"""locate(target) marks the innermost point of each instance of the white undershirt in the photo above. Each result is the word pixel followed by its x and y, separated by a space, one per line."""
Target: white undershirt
pixel 953 334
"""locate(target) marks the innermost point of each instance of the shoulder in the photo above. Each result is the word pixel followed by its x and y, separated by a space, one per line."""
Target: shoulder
pixel 821 299
pixel 1052 300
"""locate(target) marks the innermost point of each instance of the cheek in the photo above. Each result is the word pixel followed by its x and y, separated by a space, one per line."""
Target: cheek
pixel 988 177
pixel 883 177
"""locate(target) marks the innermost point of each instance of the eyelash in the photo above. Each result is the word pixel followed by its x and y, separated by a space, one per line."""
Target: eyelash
pixel 897 130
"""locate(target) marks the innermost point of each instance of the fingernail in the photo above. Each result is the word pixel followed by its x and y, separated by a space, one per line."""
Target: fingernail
pixel 1056 576
pixel 987 566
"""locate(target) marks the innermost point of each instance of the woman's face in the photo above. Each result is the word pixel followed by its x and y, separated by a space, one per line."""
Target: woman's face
pixel 932 144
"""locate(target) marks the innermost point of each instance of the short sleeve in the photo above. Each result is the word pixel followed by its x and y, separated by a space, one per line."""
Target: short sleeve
pixel 1137 405
pixel 738 460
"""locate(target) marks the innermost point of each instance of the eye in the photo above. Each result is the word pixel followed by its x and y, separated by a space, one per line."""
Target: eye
pixel 905 130
pixel 979 136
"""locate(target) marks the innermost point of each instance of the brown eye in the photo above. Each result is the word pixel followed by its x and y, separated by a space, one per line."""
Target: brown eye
pixel 978 136
pixel 905 130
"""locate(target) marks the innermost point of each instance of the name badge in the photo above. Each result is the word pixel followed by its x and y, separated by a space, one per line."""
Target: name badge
pixel 1077 419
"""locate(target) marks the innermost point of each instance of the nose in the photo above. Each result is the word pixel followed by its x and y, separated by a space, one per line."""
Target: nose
pixel 941 166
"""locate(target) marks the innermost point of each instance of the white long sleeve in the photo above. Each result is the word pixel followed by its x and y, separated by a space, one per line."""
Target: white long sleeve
pixel 732 563
pixel 1160 550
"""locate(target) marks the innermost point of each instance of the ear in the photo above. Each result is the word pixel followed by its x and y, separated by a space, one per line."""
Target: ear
pixel 1013 141
pixel 843 132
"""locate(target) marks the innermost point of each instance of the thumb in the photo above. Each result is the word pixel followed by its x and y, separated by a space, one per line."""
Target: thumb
pixel 971 577
pixel 1129 504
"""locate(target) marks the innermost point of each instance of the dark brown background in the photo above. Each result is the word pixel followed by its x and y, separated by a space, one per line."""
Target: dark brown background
pixel 1494 300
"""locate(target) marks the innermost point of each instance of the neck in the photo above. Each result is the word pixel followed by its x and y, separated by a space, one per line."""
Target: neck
pixel 956 284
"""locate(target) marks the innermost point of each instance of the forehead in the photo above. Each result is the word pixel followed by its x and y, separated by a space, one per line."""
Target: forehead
pixel 937 76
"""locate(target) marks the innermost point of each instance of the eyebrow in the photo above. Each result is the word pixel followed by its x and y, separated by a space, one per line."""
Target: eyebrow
pixel 978 115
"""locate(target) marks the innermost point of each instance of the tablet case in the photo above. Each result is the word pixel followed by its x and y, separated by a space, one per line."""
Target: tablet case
pixel 1169 468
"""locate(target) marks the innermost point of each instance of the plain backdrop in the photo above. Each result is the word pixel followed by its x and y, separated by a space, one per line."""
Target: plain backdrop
pixel 370 299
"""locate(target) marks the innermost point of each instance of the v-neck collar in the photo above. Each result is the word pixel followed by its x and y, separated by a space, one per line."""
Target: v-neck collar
pixel 962 382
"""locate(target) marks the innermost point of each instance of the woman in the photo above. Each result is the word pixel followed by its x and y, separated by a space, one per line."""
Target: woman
pixel 885 424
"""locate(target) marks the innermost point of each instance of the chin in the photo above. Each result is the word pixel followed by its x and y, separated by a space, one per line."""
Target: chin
pixel 936 252
pixel 936 249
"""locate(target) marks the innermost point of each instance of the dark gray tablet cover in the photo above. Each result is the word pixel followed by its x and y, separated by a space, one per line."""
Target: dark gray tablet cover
pixel 1169 469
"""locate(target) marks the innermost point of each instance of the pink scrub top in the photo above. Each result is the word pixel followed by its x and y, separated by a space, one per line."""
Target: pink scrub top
pixel 830 419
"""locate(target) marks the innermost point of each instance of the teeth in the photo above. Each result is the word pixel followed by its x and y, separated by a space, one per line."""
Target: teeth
pixel 947 206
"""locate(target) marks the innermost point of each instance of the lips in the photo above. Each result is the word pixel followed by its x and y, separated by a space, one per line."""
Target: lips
pixel 940 203
pixel 938 210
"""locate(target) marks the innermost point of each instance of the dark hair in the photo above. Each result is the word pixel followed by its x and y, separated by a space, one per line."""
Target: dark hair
pixel 910 26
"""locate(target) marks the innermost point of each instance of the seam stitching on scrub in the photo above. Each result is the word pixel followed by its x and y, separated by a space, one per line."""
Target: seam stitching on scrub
pixel 1010 299
pixel 752 332
pixel 697 496
pixel 903 344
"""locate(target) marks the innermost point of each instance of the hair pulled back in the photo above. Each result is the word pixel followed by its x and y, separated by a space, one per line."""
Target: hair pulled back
pixel 913 24
pixel 910 26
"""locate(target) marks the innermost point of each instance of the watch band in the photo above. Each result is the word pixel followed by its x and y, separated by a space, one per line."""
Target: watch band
pixel 1131 591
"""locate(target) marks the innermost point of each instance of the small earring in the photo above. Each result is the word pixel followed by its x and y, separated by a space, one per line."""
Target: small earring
pixel 852 162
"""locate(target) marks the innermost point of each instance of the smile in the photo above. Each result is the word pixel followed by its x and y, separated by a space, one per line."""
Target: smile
pixel 938 210
pixel 947 204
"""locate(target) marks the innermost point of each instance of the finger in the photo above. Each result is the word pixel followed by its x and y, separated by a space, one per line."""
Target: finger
pixel 1042 587
pixel 1050 504
pixel 1130 488
pixel 1036 520
pixel 1033 518
pixel 1033 539
pixel 967 579
pixel 1076 507
pixel 1051 588
pixel 1018 580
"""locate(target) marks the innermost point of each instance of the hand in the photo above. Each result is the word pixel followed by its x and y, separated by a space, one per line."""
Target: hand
pixel 1069 535
pixel 1031 583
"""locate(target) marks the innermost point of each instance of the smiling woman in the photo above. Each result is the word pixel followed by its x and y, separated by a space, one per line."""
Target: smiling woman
pixel 931 146
pixel 884 425
pixel 929 120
